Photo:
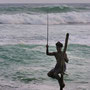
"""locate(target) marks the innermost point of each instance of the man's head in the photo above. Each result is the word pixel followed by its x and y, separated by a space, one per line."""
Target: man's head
pixel 59 45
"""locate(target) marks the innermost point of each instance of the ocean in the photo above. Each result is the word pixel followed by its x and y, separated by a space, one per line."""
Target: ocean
pixel 23 37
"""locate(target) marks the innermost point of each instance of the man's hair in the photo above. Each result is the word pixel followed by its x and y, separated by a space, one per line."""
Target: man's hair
pixel 59 44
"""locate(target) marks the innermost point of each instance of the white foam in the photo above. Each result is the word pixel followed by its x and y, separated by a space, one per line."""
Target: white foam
pixel 54 18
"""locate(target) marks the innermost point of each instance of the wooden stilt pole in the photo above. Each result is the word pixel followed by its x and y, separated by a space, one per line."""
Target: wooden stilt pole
pixel 66 42
pixel 64 51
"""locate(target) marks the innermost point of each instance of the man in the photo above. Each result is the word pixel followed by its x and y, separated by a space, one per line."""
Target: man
pixel 60 66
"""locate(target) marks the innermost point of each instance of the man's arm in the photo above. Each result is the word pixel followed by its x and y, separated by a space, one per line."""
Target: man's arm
pixel 49 53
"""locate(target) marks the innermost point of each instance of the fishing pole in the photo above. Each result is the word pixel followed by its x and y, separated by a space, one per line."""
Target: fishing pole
pixel 47 29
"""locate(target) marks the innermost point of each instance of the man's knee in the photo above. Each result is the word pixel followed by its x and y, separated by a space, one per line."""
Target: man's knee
pixel 49 74
pixel 55 74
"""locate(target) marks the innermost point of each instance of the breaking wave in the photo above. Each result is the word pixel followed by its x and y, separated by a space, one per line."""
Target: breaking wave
pixel 41 19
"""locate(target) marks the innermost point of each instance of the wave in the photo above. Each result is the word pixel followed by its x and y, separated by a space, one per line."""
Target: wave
pixel 59 9
pixel 43 8
pixel 54 9
pixel 39 9
pixel 40 19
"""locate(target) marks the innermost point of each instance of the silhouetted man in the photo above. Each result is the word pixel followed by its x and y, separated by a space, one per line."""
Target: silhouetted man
pixel 60 66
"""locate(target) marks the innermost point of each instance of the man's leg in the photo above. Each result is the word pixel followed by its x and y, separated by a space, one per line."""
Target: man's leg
pixel 54 74
pixel 51 73
pixel 62 82
pixel 59 78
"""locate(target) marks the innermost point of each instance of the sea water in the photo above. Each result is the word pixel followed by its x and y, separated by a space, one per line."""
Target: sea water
pixel 23 36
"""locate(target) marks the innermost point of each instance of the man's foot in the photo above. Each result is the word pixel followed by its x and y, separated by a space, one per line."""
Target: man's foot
pixel 63 85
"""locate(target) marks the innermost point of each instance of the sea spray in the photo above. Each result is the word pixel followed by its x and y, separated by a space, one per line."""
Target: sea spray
pixel 35 19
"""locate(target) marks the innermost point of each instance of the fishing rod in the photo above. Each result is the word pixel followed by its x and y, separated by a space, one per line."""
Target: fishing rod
pixel 47 28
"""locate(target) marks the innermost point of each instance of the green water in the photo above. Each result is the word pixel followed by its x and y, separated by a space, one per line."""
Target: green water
pixel 23 33
pixel 28 63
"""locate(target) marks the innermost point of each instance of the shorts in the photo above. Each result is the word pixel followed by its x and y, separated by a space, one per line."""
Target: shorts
pixel 59 69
